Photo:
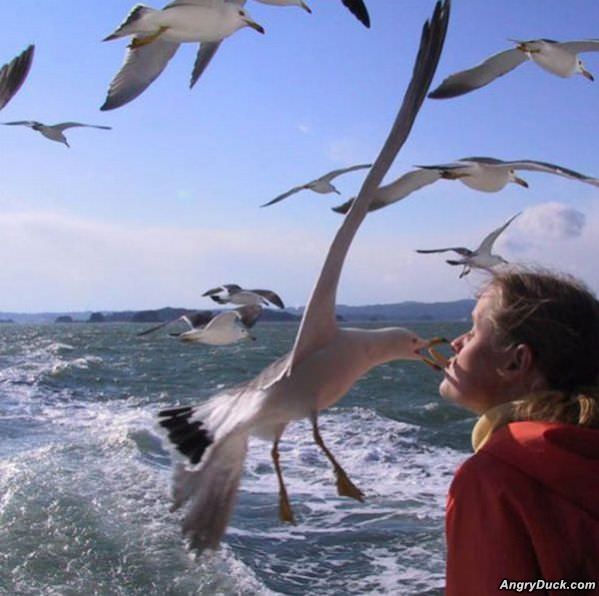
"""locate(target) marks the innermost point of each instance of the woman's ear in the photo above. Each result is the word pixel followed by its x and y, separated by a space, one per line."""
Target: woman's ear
pixel 521 359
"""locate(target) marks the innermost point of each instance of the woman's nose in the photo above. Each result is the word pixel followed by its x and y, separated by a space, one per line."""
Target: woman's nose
pixel 456 344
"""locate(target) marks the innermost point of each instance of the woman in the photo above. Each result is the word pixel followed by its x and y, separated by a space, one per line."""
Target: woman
pixel 525 506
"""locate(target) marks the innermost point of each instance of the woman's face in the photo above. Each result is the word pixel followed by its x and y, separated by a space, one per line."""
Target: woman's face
pixel 472 377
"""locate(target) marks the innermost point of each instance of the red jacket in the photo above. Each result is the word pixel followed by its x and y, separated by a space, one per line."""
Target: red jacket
pixel 525 507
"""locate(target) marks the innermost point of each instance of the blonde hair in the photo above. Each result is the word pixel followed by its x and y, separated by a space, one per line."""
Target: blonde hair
pixel 557 317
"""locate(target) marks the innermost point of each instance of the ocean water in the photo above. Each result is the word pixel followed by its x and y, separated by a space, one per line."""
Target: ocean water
pixel 85 472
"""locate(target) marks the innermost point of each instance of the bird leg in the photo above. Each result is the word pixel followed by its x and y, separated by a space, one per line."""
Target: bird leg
pixel 285 512
pixel 345 487
pixel 523 47
pixel 139 42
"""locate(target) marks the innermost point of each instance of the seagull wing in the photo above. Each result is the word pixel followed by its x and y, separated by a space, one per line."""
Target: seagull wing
pixel 461 250
pixel 270 296
pixel 286 194
pixel 156 327
pixel 397 190
pixel 203 58
pixel 30 123
pixel 328 177
pixel 583 45
pixel 64 125
pixel 487 244
pixel 318 324
pixel 223 320
pixel 13 75
pixel 359 10
pixel 543 166
pixel 142 66
pixel 479 76
pixel 225 288
pixel 198 319
pixel 249 314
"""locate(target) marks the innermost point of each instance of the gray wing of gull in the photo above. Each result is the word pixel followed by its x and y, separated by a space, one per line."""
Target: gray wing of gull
pixel 228 287
pixel 64 125
pixel 223 320
pixel 287 194
pixel 249 314
pixel 583 45
pixel 461 250
pixel 487 244
pixel 198 319
pixel 270 296
pixel 333 174
pixel 203 58
pixel 359 10
pixel 194 320
pixel 30 123
pixel 318 325
pixel 142 66
pixel 543 166
pixel 468 80
pixel 401 188
pixel 13 75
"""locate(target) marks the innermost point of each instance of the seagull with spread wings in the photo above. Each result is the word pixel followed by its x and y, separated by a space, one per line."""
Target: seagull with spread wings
pixel 215 329
pixel 479 258
pixel 558 58
pixel 13 75
pixel 485 174
pixel 322 185
pixel 54 132
pixel 324 363
pixel 157 35
pixel 234 294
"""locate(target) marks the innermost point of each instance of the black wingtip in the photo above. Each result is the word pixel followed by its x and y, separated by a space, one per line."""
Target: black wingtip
pixel 188 436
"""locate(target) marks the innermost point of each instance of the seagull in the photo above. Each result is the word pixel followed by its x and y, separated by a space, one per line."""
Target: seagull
pixel 485 174
pixel 321 185
pixel 559 58
pixel 480 258
pixel 237 295
pixel 157 35
pixel 324 363
pixel 54 132
pixel 13 75
pixel 218 329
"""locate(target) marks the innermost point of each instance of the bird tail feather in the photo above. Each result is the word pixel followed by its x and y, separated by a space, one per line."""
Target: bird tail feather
pixel 211 492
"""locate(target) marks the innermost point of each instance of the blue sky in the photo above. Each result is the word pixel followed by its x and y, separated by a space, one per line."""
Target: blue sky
pixel 166 205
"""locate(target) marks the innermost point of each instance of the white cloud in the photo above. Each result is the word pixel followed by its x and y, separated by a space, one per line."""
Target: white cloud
pixel 549 222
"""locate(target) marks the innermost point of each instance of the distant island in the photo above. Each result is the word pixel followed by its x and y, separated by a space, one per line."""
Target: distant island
pixel 458 310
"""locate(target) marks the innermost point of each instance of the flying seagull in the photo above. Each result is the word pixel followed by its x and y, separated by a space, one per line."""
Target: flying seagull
pixel 54 132
pixel 13 75
pixel 321 185
pixel 481 257
pixel 559 58
pixel 157 35
pixel 216 329
pixel 324 363
pixel 234 294
pixel 485 174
